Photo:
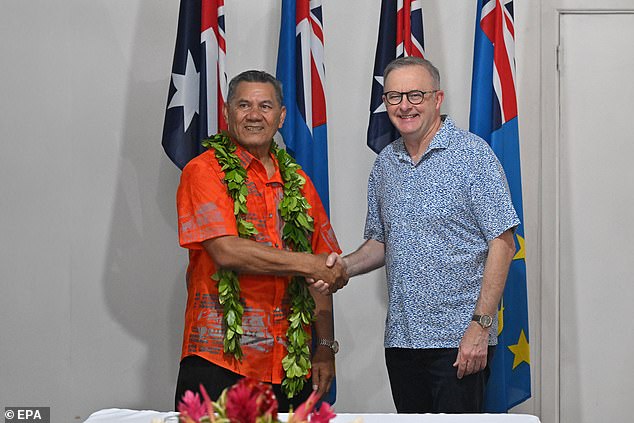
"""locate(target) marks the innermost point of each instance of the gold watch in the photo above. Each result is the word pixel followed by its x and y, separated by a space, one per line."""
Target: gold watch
pixel 483 320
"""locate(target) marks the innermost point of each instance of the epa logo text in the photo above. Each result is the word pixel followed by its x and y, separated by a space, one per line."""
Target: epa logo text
pixel 27 414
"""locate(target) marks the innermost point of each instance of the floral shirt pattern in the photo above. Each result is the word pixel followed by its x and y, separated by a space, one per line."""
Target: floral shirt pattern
pixel 435 218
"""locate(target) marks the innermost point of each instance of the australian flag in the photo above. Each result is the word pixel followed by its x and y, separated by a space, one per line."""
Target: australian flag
pixel 300 68
pixel 198 85
pixel 494 118
pixel 400 34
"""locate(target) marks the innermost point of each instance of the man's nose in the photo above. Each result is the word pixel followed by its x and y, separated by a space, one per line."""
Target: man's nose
pixel 405 103
pixel 254 114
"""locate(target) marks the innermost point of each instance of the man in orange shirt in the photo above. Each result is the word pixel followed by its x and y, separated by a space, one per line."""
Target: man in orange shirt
pixel 235 214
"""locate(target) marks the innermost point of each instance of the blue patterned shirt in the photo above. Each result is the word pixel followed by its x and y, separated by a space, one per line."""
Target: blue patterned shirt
pixel 435 218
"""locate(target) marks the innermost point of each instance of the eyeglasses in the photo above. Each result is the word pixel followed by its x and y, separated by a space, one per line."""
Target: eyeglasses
pixel 414 96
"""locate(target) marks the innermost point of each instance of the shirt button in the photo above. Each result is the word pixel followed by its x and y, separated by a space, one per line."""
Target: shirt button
pixel 276 245
pixel 270 215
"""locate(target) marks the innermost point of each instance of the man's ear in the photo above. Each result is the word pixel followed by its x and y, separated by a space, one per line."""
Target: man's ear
pixel 440 96
pixel 282 117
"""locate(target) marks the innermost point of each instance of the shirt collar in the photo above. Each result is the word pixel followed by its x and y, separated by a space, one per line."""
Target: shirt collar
pixel 248 160
pixel 439 141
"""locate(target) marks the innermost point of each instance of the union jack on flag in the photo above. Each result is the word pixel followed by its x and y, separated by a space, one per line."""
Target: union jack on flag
pixel 300 68
pixel 494 118
pixel 400 34
pixel 198 86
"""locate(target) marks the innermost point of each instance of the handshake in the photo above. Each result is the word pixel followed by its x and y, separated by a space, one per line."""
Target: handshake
pixel 329 276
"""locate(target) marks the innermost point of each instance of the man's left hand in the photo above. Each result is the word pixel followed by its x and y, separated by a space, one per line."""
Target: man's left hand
pixel 473 349
pixel 323 370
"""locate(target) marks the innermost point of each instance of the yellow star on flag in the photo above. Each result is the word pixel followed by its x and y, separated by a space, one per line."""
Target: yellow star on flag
pixel 521 253
pixel 521 351
pixel 501 317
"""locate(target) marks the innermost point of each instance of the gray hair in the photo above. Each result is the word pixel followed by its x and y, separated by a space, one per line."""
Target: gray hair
pixel 402 62
pixel 255 76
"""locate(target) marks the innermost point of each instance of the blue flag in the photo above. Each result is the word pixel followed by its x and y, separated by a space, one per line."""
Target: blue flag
pixel 198 85
pixel 494 118
pixel 300 67
pixel 400 34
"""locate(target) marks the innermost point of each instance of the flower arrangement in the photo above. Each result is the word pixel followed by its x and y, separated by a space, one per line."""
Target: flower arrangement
pixel 248 401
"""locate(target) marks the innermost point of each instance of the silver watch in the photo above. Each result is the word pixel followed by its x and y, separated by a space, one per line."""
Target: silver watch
pixel 333 345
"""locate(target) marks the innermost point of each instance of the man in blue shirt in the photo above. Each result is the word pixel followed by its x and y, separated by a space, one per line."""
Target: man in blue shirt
pixel 441 220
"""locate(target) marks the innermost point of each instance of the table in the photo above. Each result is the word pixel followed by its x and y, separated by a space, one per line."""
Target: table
pixel 115 415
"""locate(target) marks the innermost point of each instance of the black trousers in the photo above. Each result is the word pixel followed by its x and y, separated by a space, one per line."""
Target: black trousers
pixel 425 381
pixel 195 371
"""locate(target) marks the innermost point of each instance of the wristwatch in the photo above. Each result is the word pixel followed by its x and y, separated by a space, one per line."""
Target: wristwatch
pixel 483 320
pixel 333 345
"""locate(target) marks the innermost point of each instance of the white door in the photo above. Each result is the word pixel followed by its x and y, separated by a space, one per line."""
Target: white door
pixel 596 217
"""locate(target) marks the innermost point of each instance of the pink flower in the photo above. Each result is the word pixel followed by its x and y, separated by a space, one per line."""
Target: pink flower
pixel 249 399
pixel 208 403
pixel 324 415
pixel 267 403
pixel 304 409
pixel 192 406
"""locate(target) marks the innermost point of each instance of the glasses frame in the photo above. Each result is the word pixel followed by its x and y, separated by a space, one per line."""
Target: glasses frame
pixel 407 94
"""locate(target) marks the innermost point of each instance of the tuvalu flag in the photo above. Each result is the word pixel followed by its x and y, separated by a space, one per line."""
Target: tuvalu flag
pixel 494 118
pixel 198 85
pixel 400 34
pixel 300 68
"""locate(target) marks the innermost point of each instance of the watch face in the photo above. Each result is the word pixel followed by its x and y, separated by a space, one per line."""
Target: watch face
pixel 486 321
pixel 335 346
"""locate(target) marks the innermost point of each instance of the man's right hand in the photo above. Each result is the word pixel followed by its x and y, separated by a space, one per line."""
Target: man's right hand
pixel 330 274
pixel 337 264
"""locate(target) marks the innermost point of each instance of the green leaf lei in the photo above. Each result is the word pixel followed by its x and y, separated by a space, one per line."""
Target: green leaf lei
pixel 298 224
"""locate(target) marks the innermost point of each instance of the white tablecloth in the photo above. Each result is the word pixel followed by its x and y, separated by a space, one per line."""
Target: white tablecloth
pixel 114 415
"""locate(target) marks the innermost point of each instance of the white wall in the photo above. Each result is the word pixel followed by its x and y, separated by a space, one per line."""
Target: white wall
pixel 92 277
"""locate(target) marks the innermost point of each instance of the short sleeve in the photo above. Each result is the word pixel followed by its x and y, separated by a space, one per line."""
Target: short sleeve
pixel 205 210
pixel 324 239
pixel 490 195
pixel 374 228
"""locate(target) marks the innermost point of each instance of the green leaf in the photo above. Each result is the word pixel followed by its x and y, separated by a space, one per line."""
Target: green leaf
pixel 231 317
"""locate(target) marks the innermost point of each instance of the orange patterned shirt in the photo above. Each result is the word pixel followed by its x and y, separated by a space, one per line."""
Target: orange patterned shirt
pixel 205 211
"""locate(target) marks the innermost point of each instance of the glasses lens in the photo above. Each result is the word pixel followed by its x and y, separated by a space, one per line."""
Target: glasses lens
pixel 393 97
pixel 415 97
